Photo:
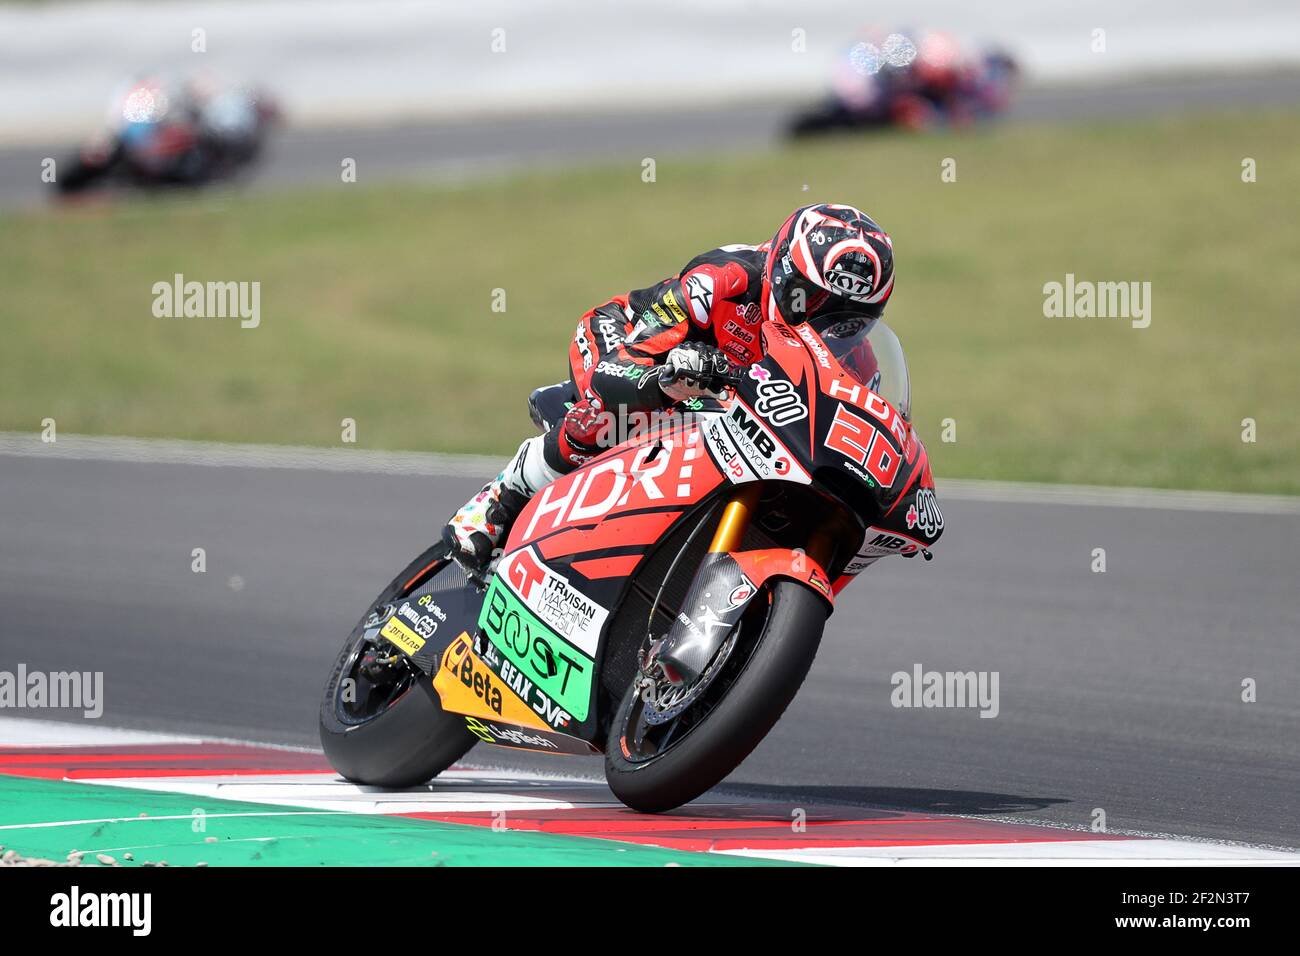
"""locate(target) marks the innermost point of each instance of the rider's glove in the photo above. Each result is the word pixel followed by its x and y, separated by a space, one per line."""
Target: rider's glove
pixel 693 370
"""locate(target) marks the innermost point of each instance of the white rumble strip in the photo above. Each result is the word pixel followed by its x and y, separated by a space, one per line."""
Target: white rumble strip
pixel 468 790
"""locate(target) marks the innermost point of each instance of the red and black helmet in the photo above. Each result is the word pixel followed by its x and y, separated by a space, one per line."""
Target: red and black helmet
pixel 829 258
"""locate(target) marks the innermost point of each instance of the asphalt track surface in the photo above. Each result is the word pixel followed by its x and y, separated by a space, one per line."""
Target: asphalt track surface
pixel 1119 691
pixel 423 150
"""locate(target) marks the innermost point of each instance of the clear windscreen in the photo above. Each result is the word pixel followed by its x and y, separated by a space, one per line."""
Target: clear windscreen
pixel 869 350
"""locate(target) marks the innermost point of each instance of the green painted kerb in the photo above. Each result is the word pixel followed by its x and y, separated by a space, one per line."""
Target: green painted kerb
pixel 51 818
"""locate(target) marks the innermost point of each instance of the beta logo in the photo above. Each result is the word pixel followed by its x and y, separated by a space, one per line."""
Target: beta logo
pixel 479 682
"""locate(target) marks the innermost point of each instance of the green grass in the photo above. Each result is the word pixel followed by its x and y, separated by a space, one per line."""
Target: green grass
pixel 376 301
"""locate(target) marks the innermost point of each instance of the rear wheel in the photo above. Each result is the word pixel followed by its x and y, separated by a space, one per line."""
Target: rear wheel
pixel 381 722
pixel 659 757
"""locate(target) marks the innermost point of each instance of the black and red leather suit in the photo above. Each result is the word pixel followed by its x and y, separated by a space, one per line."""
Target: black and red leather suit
pixel 717 299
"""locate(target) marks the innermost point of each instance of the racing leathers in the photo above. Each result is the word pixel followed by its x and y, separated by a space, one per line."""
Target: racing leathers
pixel 636 354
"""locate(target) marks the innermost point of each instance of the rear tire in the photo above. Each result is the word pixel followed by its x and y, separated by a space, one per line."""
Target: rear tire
pixel 729 732
pixel 409 741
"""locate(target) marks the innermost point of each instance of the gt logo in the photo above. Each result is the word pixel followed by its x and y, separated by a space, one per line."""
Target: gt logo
pixel 524 573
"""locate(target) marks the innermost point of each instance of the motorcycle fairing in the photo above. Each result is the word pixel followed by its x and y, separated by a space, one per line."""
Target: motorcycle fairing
pixel 567 564
pixel 745 449
pixel 494 711
pixel 466 685
pixel 524 738
pixel 425 622
pixel 724 586
pixel 760 566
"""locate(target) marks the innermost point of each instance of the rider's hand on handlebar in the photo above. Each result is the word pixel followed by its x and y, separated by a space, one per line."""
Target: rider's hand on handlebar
pixel 695 370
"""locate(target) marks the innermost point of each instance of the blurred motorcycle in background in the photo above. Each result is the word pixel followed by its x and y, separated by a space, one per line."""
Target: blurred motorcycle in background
pixel 919 81
pixel 172 131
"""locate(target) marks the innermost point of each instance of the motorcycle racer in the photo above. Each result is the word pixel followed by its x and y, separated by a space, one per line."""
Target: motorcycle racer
pixel 676 340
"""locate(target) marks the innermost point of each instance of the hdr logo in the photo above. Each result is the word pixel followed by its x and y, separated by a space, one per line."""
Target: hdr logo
pixel 592 493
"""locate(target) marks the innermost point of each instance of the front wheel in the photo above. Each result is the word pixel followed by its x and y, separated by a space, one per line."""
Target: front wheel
pixel 653 764
pixel 384 725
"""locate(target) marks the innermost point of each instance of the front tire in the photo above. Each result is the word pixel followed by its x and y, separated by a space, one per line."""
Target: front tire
pixel 734 725
pixel 408 738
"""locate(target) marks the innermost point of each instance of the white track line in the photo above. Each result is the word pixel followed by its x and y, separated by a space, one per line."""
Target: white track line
pixel 1080 853
pixel 471 790
pixel 28 732
pixel 166 451
pixel 217 454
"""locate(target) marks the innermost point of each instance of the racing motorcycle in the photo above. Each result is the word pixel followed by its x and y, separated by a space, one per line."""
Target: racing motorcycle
pixel 164 131
pixel 969 88
pixel 663 603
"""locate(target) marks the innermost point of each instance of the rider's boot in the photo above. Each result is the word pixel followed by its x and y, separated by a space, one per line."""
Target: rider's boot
pixel 478 529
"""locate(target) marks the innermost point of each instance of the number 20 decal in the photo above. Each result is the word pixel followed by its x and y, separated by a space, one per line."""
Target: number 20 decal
pixel 858 440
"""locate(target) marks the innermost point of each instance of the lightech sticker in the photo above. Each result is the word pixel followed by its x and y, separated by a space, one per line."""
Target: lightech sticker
pixel 561 606
pixel 560 671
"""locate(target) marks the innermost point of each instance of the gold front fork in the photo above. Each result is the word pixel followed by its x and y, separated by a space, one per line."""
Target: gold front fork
pixel 735 518
pixel 740 511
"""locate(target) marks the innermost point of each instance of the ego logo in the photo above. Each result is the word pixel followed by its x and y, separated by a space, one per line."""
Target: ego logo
pixel 925 514
pixel 780 402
